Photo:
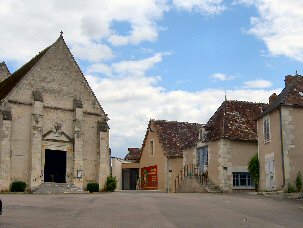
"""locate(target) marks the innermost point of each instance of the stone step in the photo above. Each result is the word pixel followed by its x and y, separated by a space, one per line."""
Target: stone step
pixel 57 188
pixel 192 185
pixel 212 188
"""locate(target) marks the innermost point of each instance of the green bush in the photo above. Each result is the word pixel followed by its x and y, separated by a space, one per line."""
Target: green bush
pixel 299 182
pixel 290 188
pixel 253 168
pixel 93 187
pixel 18 186
pixel 111 184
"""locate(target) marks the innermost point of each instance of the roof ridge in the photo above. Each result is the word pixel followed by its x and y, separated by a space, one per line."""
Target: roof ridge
pixel 174 121
pixel 10 83
pixel 246 102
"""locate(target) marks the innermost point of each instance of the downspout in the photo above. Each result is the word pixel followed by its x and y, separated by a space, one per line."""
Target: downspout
pixel 282 151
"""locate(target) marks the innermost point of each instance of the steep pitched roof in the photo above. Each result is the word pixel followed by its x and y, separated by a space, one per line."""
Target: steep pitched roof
pixel 292 94
pixel 234 120
pixel 133 154
pixel 4 72
pixel 176 136
pixel 9 84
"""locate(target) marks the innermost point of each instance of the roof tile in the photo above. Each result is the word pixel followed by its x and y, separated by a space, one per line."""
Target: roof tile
pixel 234 120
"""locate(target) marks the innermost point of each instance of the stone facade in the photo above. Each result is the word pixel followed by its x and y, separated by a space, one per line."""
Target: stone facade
pixel 281 154
pixel 170 142
pixel 52 108
pixel 226 144
pixel 284 148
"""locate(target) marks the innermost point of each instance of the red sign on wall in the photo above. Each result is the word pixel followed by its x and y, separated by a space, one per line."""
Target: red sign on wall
pixel 149 178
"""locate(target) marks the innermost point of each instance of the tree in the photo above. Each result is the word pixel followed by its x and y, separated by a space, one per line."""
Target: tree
pixel 253 168
pixel 299 182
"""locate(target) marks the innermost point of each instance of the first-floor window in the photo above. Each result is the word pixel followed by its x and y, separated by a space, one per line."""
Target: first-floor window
pixel 242 180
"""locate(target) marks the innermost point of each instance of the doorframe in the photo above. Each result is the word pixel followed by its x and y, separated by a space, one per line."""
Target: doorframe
pixel 201 151
pixel 63 146
pixel 56 152
pixel 269 158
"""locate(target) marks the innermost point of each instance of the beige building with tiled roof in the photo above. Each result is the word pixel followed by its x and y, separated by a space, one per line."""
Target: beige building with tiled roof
pixel 280 130
pixel 53 128
pixel 226 143
pixel 162 152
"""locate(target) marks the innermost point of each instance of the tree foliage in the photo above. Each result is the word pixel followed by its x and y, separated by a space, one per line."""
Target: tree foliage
pixel 253 168
pixel 93 187
pixel 18 186
pixel 111 184
pixel 299 182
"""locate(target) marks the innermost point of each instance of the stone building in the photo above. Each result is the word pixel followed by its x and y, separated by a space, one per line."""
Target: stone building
pixel 280 130
pixel 226 143
pixel 53 128
pixel 126 170
pixel 162 152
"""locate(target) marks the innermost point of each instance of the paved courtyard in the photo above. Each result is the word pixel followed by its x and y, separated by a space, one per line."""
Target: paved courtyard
pixel 142 209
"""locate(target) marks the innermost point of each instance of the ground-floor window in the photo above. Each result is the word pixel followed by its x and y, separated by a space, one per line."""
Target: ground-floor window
pixel 242 180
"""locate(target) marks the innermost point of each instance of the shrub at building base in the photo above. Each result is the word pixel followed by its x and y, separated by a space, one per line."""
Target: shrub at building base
pixel 111 184
pixel 253 168
pixel 290 188
pixel 93 187
pixel 299 182
pixel 18 186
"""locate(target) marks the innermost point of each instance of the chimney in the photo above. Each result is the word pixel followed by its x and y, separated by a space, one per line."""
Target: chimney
pixel 288 79
pixel 272 97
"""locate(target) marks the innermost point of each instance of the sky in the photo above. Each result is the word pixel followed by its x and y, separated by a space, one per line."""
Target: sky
pixel 162 59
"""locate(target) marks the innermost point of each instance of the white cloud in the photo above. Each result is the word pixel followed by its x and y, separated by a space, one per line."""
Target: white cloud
pixel 146 32
pixel 222 77
pixel 245 2
pixel 137 67
pixel 133 97
pixel 202 6
pixel 258 84
pixel 279 25
pixel 85 25
pixel 93 52
pixel 131 101
pixel 100 68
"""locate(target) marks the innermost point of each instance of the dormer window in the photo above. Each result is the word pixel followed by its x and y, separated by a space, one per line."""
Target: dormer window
pixel 266 129
pixel 200 134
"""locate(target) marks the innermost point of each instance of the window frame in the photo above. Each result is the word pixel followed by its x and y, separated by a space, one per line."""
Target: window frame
pixel 151 148
pixel 238 176
pixel 266 129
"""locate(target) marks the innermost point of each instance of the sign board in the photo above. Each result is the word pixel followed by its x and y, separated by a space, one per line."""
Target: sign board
pixel 149 178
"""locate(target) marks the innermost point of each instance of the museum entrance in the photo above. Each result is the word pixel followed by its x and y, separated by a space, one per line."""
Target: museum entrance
pixel 55 166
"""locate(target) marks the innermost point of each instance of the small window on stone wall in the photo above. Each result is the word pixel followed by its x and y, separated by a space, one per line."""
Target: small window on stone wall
pixel 266 129
pixel 151 147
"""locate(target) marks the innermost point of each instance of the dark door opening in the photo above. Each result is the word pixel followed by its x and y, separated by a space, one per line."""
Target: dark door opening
pixel 55 166
pixel 129 178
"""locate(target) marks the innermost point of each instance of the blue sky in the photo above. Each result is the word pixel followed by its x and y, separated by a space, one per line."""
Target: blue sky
pixel 162 59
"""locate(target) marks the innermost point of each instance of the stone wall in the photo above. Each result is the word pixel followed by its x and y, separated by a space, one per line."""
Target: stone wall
pixel 64 99
pixel 271 149
pixel 292 142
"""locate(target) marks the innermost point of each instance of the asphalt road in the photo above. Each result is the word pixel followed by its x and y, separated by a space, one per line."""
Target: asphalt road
pixel 128 209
